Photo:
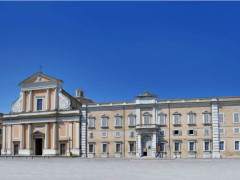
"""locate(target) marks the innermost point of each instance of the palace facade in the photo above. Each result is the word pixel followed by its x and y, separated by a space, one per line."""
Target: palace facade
pixel 46 120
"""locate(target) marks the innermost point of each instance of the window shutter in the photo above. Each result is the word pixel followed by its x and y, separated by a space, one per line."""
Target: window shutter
pixel 195 132
pixel 180 132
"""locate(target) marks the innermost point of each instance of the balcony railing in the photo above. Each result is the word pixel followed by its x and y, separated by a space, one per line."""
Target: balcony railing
pixel 146 126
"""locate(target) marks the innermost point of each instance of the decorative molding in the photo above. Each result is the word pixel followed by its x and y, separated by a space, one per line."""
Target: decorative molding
pixel 65 102
pixel 16 106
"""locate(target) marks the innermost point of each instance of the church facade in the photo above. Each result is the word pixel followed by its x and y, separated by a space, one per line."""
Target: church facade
pixel 46 120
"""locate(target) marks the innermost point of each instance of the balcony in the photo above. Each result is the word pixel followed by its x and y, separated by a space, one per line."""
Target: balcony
pixel 146 126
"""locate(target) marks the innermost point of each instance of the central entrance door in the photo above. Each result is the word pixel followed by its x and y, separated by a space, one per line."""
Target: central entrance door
pixel 38 146
pixel 147 146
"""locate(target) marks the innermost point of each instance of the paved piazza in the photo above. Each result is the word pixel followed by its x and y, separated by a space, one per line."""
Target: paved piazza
pixel 116 169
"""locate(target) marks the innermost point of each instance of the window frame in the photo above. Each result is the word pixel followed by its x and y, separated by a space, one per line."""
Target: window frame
pixel 223 114
pixel 107 148
pixel 236 128
pixel 209 146
pixel 234 117
pixel 147 115
pixel 234 145
pixel 120 134
pixel 179 146
pixel 89 147
pixel 223 145
pixel 89 135
pixel 102 118
pixel 129 120
pixel 164 146
pixel 164 133
pixel 194 118
pixel 164 119
pixel 224 130
pixel 115 120
pixel 176 114
pixel 134 147
pixel 209 130
pixel 194 145
pixel 106 134
pixel 118 143
pixel 89 119
pixel 209 115
pixel 36 102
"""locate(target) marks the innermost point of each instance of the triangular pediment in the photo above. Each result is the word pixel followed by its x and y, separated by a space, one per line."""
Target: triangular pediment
pixel 38 134
pixel 38 78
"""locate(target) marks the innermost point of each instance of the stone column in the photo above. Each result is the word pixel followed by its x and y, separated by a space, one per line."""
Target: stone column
pixel 47 100
pixel 215 132
pixel 30 101
pixel 70 135
pixel 77 135
pixel 22 137
pixel 29 136
pixel 139 154
pixel 56 98
pixel 23 101
pixel 46 137
pixel 84 133
pixel 9 137
pixel 154 144
pixel 54 136
pixel 4 138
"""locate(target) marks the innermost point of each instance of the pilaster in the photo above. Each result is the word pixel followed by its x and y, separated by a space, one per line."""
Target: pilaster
pixel 215 131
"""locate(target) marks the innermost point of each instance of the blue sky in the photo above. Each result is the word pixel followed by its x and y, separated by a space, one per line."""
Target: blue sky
pixel 116 50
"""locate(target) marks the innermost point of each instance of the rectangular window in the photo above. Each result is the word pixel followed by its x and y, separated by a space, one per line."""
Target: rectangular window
pixel 177 132
pixel 118 121
pixel 191 146
pixel 236 117
pixel 39 104
pixel 236 145
pixel 91 148
pixel 206 131
pixel 177 146
pixel 221 146
pixel 132 120
pixel 162 147
pixel 118 134
pixel 104 134
pixel 221 130
pixel 104 122
pixel 206 146
pixel 91 123
pixel 161 133
pixel 104 148
pixel 191 119
pixel 132 147
pixel 91 134
pixel 131 133
pixel 206 119
pixel 146 119
pixel 118 147
pixel 162 119
pixel 236 130
pixel 192 132
pixel 221 118
pixel 176 119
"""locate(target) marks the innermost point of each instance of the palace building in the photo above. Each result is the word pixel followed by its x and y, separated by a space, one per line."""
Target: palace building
pixel 46 120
